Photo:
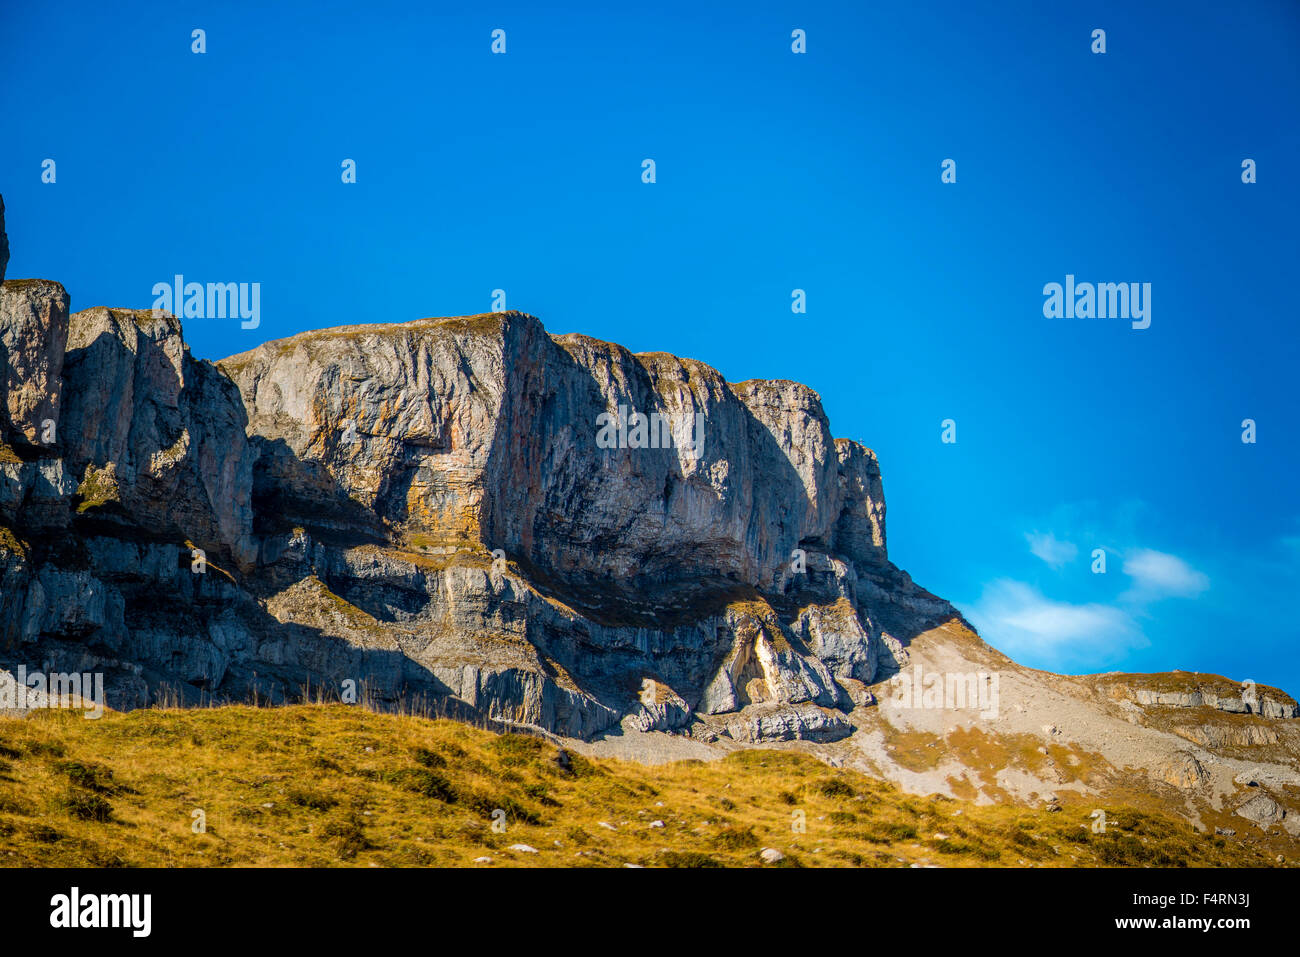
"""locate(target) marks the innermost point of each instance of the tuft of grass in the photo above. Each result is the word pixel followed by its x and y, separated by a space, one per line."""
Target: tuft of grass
pixel 835 787
pixel 87 776
pixel 86 805
pixel 736 839
pixel 428 759
pixel 428 784
pixel 306 797
pixel 687 859
pixel 346 835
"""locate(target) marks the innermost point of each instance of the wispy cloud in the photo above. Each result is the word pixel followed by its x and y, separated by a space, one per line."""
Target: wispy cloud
pixel 1051 549
pixel 1159 575
pixel 1021 621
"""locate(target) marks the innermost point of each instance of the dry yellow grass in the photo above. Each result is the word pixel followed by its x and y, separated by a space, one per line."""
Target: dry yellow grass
pixel 319 785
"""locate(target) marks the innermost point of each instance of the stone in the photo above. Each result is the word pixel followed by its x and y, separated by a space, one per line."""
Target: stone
pixel 1262 810
pixel 4 241
pixel 1220 695
pixel 661 709
pixel 1184 771
pixel 770 855
pixel 33 339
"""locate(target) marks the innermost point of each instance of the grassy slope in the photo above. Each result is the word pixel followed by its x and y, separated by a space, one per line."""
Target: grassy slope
pixel 330 784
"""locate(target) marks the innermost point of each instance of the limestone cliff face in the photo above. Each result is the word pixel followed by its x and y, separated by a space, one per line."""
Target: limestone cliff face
pixel 441 510
pixel 398 458
pixel 33 337
pixel 483 430
pixel 471 516
pixel 155 437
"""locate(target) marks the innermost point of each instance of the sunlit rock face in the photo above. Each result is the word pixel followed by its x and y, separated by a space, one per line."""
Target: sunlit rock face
pixel 468 512
pixel 518 501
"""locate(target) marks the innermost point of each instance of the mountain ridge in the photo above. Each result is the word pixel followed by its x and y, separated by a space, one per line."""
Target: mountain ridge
pixel 423 511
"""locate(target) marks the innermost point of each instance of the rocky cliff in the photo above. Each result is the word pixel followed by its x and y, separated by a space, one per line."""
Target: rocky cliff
pixel 541 530
pixel 471 516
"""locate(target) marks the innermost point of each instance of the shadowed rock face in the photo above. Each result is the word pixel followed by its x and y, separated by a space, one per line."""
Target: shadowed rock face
pixel 156 437
pixel 4 241
pixel 467 511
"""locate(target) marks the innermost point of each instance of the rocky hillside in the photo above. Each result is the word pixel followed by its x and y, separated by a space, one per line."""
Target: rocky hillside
pixel 470 514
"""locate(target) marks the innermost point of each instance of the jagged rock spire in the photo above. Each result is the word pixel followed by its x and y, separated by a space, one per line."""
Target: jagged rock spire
pixel 4 241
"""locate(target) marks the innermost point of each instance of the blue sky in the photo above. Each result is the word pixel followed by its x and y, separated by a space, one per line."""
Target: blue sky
pixel 775 171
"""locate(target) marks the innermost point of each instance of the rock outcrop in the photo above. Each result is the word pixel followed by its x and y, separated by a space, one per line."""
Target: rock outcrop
pixel 467 512
pixel 33 339
pixel 1190 690
pixel 469 516
pixel 155 437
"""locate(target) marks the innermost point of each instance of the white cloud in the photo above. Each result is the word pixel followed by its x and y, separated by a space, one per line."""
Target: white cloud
pixel 1160 575
pixel 1051 549
pixel 1040 632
